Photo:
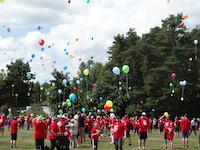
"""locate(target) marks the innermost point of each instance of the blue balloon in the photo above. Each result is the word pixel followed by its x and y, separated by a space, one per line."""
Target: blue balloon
pixel 65 49
pixel 42 49
pixel 33 55
pixel 65 68
pixel 116 70
pixel 101 99
pixel 64 81
pixel 83 110
pixel 81 79
pixel 78 82
pixel 72 97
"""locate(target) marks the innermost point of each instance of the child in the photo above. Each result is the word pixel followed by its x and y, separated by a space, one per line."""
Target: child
pixel 95 136
pixel 169 135
pixel 13 132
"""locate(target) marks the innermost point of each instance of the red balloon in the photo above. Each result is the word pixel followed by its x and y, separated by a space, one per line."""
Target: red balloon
pixel 94 85
pixel 74 89
pixel 41 42
pixel 107 108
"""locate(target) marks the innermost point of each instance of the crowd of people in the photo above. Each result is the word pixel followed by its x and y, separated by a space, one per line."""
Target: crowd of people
pixel 69 131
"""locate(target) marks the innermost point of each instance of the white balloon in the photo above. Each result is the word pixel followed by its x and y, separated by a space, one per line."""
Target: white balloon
pixel 184 83
pixel 196 42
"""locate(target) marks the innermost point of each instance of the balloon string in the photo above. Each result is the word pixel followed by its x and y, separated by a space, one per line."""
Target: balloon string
pixel 182 91
pixel 128 96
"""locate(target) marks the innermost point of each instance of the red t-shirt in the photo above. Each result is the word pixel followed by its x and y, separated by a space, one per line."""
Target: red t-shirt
pixel 94 131
pixel 118 130
pixel 185 125
pixel 143 124
pixel 54 130
pixel 169 132
pixel 40 130
pixel 62 127
pixel 13 127
pixel 90 124
pixel 127 124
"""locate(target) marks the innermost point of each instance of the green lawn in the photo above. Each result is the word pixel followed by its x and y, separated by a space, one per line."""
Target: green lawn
pixel 155 142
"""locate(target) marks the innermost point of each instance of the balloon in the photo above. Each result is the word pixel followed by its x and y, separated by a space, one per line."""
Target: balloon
pixel 109 103
pixel 42 49
pixel 71 83
pixel 94 85
pixel 59 91
pixel 100 99
pixel 69 104
pixel 170 84
pixel 2 1
pixel 65 68
pixel 184 83
pixel 72 97
pixel 196 42
pixel 125 69
pixel 153 110
pixel 185 17
pixel 107 107
pixel 95 108
pixel 173 75
pixel 166 114
pixel 182 24
pixel 60 111
pixel 111 110
pixel 181 83
pixel 33 55
pixel 98 111
pixel 81 79
pixel 78 82
pixel 41 88
pixel 86 72
pixel 64 81
pixel 53 84
pixel 83 110
pixel 129 88
pixel 41 42
pixel 74 89
pixel 68 101
pixel 116 70
pixel 65 49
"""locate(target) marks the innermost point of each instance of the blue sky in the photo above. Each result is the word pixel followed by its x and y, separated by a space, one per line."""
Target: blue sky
pixel 63 23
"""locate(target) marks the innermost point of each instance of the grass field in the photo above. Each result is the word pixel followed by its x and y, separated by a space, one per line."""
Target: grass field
pixel 155 142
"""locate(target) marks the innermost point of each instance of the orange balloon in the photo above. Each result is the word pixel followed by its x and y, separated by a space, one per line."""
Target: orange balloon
pixel 185 17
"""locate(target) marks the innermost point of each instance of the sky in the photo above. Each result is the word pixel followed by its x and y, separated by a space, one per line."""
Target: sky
pixel 76 31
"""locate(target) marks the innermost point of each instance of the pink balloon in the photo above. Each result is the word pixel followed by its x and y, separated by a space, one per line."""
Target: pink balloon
pixel 173 75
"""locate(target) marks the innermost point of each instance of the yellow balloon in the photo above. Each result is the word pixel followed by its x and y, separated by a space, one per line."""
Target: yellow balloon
pixel 86 72
pixel 166 114
pixel 109 103
pixel 2 1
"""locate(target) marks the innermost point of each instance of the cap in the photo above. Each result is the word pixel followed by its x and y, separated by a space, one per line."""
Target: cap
pixel 143 114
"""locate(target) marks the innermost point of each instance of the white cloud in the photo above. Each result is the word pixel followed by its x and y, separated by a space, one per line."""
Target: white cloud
pixel 101 20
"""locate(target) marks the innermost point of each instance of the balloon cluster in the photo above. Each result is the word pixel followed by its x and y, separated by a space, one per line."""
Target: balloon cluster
pixel 125 69
pixel 108 105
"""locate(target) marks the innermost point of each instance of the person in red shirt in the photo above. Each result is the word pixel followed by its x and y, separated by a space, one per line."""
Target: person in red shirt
pixel 127 124
pixel 143 128
pixel 169 131
pixel 95 132
pixel 53 133
pixel 2 123
pixel 40 132
pixel 90 125
pixel 177 125
pixel 199 135
pixel 13 132
pixel 185 128
pixel 118 134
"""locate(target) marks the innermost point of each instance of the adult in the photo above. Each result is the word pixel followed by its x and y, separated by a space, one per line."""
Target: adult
pixel 82 125
pixel 2 123
pixel 53 133
pixel 13 132
pixel 185 128
pixel 128 125
pixel 118 134
pixel 143 128
pixel 40 132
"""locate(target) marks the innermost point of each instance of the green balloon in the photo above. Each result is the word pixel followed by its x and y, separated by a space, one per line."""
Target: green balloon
pixel 69 104
pixel 60 111
pixel 68 101
pixel 125 69
pixel 111 110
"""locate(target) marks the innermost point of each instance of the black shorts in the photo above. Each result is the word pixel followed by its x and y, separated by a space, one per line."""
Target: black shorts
pixel 185 135
pixel 127 133
pixel 14 137
pixel 143 135
pixel 94 144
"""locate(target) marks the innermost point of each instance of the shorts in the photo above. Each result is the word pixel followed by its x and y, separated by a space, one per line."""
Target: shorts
pixel 94 144
pixel 143 135
pixel 14 136
pixel 185 135
pixel 82 131
pixel 127 133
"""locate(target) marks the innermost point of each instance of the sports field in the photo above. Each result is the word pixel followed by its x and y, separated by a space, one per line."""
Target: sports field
pixel 155 142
